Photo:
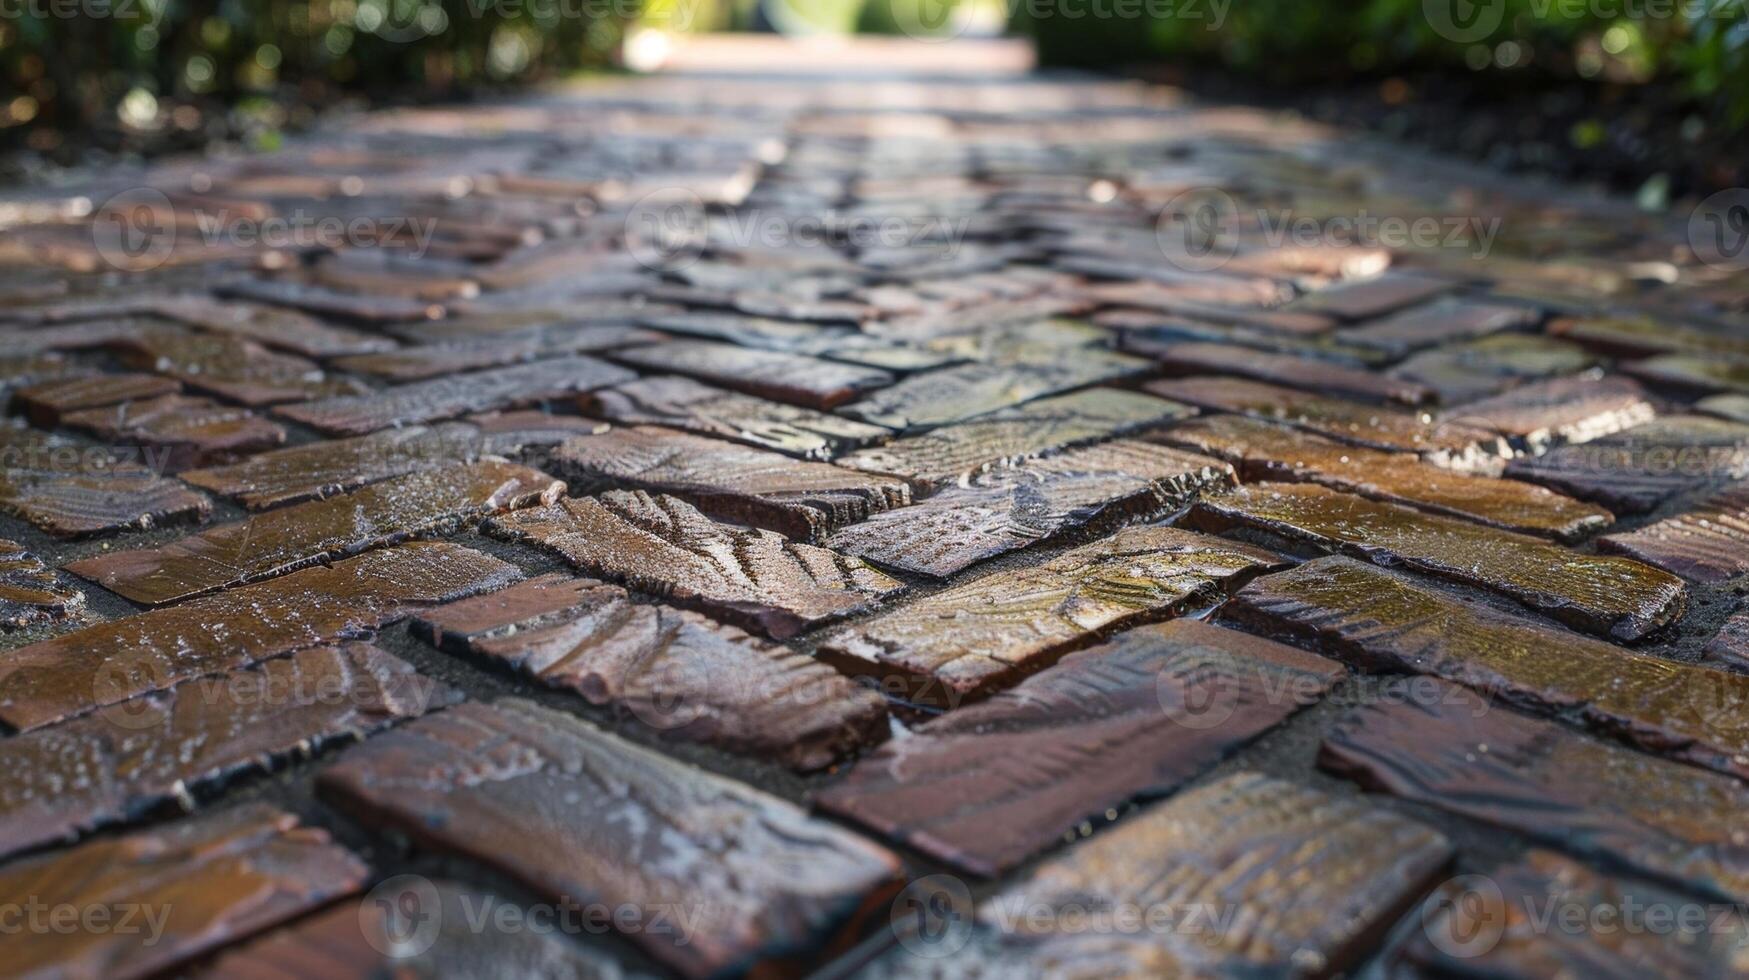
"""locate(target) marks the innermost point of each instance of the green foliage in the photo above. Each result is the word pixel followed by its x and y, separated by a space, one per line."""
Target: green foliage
pixel 100 65
pixel 1701 45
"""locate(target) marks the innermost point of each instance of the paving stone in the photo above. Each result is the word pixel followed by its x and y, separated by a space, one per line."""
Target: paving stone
pixel 1601 594
pixel 332 302
pixel 1709 542
pixel 1693 372
pixel 672 671
pixel 1548 916
pixel 1356 423
pixel 506 325
pixel 453 395
pixel 1026 341
pixel 322 469
pixel 45 404
pixel 1733 407
pixel 1263 451
pixel 31 592
pixel 745 331
pixel 184 890
pixel 363 940
pixel 930 325
pixel 1093 489
pixel 433 360
pixel 1464 372
pixel 1575 409
pixel 941 456
pixel 180 431
pixel 70 489
pixel 1443 322
pixel 570 811
pixel 1635 470
pixel 682 403
pixel 959 643
pixel 1220 298
pixel 1448 748
pixel 987 786
pixel 268 325
pixel 1360 299
pixel 66 780
pixel 1382 620
pixel 1730 646
pixel 955 394
pixel 112 661
pixel 1309 880
pixel 794 378
pixel 319 531
pixel 802 500
pixel 1630 336
pixel 231 368
pixel 660 544
pixel 1304 373
pixel 1153 334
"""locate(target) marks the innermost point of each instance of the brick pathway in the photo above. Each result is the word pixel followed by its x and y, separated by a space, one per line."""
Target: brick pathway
pixel 767 523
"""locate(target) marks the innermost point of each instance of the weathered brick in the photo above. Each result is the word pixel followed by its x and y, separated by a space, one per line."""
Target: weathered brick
pixel 1597 593
pixel 1359 299
pixel 955 394
pixel 230 367
pixel 1294 372
pixel 31 592
pixel 572 812
pixel 682 403
pixel 1454 750
pixel 754 578
pixel 1090 490
pixel 1478 368
pixel 61 782
pixel 69 489
pixel 672 671
pixel 1262 451
pixel 186 889
pixel 991 784
pixel 794 378
pixel 1693 372
pixel 332 302
pixel 959 643
pixel 1561 410
pixel 1382 620
pixel 290 538
pixel 268 325
pixel 112 661
pixel 45 403
pixel 803 500
pixel 1708 542
pixel 432 360
pixel 181 431
pixel 1635 470
pixel 1443 322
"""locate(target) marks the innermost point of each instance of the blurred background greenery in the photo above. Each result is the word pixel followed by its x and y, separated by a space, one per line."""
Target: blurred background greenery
pixel 180 72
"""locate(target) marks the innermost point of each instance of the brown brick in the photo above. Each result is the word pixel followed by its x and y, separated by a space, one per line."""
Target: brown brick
pixel 1693 372
pixel 1478 368
pixel 431 360
pixel 659 544
pixel 672 671
pixel 1597 593
pixel 1327 377
pixel 1733 407
pixel 989 785
pixel 1360 299
pixel 122 658
pixel 1446 321
pixel 941 456
pixel 268 325
pixel 961 642
pixel 448 397
pixel 230 367
pixel 284 540
pixel 321 469
pixel 793 378
pixel 1561 410
pixel 1709 542
pixel 1383 621
pixel 1730 646
pixel 1454 750
pixel 60 782
pixel 1092 489
pixel 1323 877
pixel 45 403
pixel 31 592
pixel 930 325
pixel 205 882
pixel 1262 451
pixel 572 812
pixel 1641 336
pixel 682 403
pixel 69 489
pixel 742 330
pixel 956 394
pixel 1356 423
pixel 1636 470
pixel 803 500
pixel 332 302
pixel 179 430
pixel 1547 916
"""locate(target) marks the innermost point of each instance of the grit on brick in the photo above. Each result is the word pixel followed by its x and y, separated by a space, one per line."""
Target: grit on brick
pixel 1001 596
